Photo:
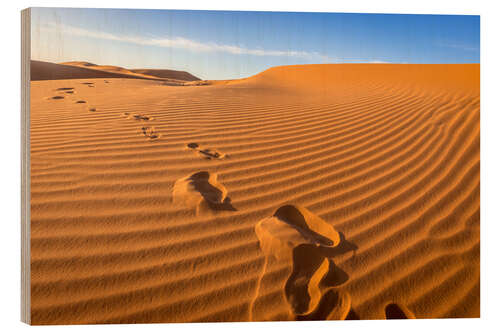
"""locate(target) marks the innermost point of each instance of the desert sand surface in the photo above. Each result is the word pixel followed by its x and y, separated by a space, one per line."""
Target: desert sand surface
pixel 347 191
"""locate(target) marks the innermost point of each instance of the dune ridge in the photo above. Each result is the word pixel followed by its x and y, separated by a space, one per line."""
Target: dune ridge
pixel 371 172
pixel 41 70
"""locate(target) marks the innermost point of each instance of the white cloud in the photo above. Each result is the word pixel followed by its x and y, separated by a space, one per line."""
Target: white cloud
pixel 376 61
pixel 463 47
pixel 183 43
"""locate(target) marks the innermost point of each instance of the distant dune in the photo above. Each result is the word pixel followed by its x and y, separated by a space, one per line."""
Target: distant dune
pixel 167 74
pixel 347 191
pixel 41 70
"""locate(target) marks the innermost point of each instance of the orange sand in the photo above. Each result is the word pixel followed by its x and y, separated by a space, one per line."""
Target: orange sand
pixel 304 192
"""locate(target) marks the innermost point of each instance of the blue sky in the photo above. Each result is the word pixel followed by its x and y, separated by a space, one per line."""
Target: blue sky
pixel 224 45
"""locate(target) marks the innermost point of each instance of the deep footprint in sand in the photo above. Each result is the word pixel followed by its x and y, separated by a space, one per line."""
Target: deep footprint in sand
pixel 207 152
pixel 57 97
pixel 201 188
pixel 92 109
pixel 81 102
pixel 65 89
pixel 150 132
pixel 298 249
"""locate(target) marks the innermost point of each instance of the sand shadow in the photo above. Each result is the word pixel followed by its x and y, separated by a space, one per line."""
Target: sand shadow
pixel 311 270
pixel 205 186
pixel 334 305
pixel 150 132
pixel 352 315
pixel 344 246
pixel 398 311
pixel 214 194
pixel 207 152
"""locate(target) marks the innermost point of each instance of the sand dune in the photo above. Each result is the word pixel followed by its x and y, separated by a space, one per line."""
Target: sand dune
pixel 167 74
pixel 41 70
pixel 344 191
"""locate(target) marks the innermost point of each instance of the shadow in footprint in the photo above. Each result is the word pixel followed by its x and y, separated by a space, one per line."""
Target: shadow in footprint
pixel 80 102
pixel 57 97
pixel 140 117
pixel 352 315
pixel 335 276
pixel 334 305
pixel 398 311
pixel 344 247
pixel 64 89
pixel 150 132
pixel 205 186
pixel 210 153
pixel 214 193
pixel 206 152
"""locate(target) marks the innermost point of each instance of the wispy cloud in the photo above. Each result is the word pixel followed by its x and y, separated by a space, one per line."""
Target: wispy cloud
pixel 376 61
pixel 184 43
pixel 459 46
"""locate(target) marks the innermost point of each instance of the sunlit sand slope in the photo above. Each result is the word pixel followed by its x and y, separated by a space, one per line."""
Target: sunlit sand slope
pixel 304 192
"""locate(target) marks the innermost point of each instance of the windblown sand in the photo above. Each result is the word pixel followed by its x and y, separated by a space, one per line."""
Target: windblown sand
pixel 304 192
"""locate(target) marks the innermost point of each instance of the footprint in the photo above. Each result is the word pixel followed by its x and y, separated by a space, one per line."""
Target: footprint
pixel 135 116
pixel 64 89
pixel 398 311
pixel 80 102
pixel 207 153
pixel 212 153
pixel 201 187
pixel 299 244
pixel 150 132
pixel 334 305
pixel 141 117
pixel 69 92
pixel 92 109
pixel 57 97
